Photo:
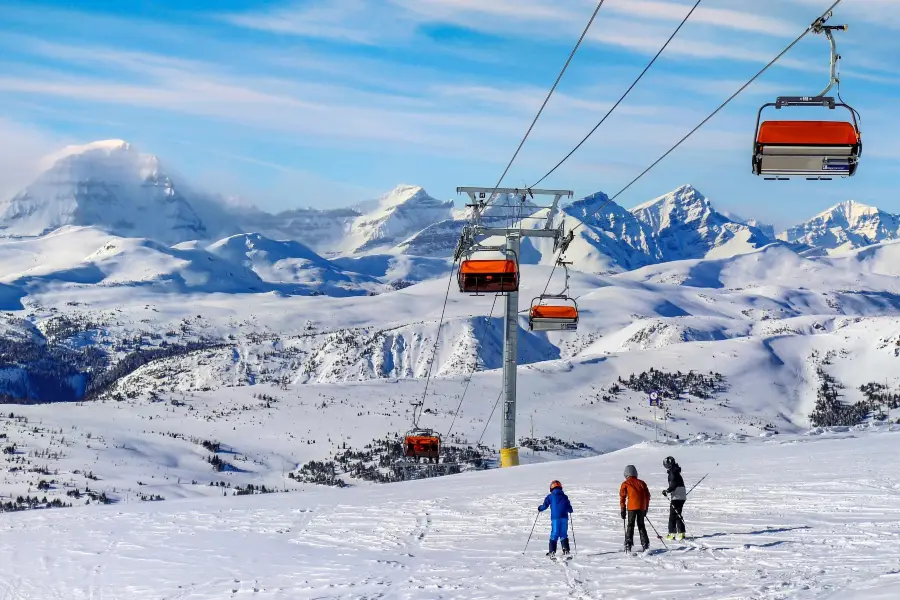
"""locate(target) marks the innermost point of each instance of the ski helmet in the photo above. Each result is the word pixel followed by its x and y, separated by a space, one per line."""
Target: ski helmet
pixel 630 471
pixel 555 484
pixel 669 462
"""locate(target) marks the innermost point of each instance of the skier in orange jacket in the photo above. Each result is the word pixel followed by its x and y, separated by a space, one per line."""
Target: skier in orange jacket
pixel 635 497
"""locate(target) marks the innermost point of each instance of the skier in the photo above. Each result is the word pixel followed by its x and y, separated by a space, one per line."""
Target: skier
pixel 634 494
pixel 560 509
pixel 677 495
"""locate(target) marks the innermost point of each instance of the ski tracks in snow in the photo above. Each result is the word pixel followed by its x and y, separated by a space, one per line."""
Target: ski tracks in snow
pixel 810 533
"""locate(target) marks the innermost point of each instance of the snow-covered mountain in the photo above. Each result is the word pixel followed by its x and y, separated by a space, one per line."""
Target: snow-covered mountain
pixel 402 212
pixel 610 231
pixel 323 230
pixel 685 226
pixel 680 225
pixel 106 184
pixel 766 228
pixel 845 227
pixel 289 262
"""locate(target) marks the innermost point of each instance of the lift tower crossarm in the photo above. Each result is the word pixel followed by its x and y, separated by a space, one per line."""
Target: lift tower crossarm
pixel 492 231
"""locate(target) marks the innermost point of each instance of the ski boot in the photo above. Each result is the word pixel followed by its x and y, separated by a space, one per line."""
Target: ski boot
pixel 679 536
pixel 671 536
pixel 645 548
pixel 565 547
pixel 552 552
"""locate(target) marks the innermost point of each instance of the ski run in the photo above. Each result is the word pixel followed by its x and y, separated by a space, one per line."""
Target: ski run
pixel 804 516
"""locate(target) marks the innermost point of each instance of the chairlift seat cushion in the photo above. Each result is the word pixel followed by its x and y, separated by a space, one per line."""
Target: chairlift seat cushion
pixel 554 312
pixel 803 133
pixel 487 267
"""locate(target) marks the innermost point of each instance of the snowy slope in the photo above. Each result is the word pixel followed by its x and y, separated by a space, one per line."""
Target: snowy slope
pixel 768 230
pixel 105 184
pixel 289 262
pixel 845 227
pixel 807 517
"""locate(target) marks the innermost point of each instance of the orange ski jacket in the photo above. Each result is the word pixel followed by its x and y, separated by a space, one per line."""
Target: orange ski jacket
pixel 634 494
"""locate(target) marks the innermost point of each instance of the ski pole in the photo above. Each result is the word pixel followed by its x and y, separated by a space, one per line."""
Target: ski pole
pixel 532 532
pixel 572 523
pixel 646 518
pixel 696 484
pixel 625 533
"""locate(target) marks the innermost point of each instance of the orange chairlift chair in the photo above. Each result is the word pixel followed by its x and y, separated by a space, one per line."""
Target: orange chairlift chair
pixel 421 443
pixel 499 276
pixel 554 312
pixel 811 149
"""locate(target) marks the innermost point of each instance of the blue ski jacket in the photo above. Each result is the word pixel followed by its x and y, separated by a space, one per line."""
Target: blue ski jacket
pixel 559 504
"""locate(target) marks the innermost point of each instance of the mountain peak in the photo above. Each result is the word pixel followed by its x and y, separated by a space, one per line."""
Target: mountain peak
pixel 852 210
pixel 105 184
pixel 107 145
pixel 845 226
pixel 402 212
pixel 682 205
pixel 100 147
pixel 685 195
pixel 403 194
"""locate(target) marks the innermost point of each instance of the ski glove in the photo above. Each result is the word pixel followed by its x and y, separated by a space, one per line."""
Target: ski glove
pixel 623 514
pixel 665 492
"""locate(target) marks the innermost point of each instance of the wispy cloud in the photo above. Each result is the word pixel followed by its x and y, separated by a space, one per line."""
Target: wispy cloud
pixel 396 21
pixel 429 90
pixel 23 148
pixel 737 20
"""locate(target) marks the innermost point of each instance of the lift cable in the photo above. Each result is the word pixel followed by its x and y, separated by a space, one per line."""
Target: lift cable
pixel 609 200
pixel 621 98
pixel 546 100
pixel 484 329
pixel 437 337
pixel 488 422
pixel 505 171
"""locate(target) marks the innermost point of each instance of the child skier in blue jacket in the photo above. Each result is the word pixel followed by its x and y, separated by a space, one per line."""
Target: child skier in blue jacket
pixel 560 509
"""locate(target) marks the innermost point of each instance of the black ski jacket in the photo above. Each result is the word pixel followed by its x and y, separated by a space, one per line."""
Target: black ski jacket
pixel 676 487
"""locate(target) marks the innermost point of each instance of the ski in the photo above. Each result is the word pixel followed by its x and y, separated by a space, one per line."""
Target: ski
pixel 556 558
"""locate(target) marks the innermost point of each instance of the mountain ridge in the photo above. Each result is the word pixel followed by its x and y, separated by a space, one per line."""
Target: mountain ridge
pixel 109 184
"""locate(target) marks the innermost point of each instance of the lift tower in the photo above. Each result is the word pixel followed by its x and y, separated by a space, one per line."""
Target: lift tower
pixel 541 224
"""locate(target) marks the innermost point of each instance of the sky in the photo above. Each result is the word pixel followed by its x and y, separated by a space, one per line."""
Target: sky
pixel 325 103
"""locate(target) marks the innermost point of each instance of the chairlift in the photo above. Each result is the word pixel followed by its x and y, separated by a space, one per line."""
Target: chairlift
pixel 421 443
pixel 498 276
pixel 817 150
pixel 554 312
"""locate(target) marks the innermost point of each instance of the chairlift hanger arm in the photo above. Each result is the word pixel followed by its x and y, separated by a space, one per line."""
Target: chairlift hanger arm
pixel 819 27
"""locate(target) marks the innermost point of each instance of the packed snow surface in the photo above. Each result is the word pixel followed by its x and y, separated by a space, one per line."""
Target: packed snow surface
pixel 812 516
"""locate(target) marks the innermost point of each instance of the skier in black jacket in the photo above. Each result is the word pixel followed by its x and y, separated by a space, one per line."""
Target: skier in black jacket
pixel 677 494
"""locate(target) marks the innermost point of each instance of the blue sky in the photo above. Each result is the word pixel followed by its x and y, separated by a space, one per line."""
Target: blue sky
pixel 328 102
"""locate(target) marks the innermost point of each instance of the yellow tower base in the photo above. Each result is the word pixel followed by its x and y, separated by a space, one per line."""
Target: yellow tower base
pixel 509 457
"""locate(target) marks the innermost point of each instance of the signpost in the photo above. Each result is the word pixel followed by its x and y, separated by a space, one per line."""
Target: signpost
pixel 655 402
